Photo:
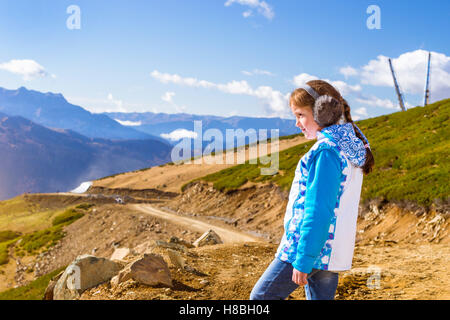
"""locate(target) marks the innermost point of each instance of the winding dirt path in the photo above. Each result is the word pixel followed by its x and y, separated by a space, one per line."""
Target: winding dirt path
pixel 227 235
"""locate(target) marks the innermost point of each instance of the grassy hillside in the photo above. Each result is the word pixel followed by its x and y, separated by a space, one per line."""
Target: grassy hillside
pixel 411 151
pixel 46 226
pixel 32 291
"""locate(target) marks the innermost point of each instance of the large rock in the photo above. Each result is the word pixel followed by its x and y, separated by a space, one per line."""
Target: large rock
pixel 84 272
pixel 151 269
pixel 210 237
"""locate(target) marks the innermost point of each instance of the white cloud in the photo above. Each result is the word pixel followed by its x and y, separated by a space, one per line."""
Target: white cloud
pixel 362 112
pixel 410 68
pixel 275 101
pixel 179 134
pixel 257 72
pixel 180 109
pixel 118 104
pixel 303 78
pixel 247 14
pixel 348 71
pixel 167 97
pixel 377 102
pixel 344 88
pixel 129 123
pixel 174 78
pixel 262 7
pixel 28 69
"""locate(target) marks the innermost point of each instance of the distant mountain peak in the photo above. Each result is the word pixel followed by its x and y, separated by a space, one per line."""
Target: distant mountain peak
pixel 53 110
pixel 23 90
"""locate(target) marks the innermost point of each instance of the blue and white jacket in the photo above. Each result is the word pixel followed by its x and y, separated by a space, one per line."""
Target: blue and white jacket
pixel 320 218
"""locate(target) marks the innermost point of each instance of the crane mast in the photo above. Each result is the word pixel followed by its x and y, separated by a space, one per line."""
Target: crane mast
pixel 427 89
pixel 397 89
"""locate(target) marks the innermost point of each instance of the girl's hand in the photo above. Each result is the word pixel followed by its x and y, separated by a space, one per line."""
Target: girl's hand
pixel 299 277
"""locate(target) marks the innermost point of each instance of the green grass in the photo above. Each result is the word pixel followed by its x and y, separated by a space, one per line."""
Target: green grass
pixel 34 242
pixel 67 216
pixel 85 206
pixel 411 151
pixel 3 253
pixel 32 291
pixel 4 248
pixel 7 238
pixel 22 215
pixel 8 235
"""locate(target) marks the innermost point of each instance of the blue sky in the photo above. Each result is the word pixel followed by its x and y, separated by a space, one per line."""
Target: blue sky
pixel 223 57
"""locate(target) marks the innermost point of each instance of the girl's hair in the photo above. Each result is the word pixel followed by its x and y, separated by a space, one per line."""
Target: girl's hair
pixel 300 98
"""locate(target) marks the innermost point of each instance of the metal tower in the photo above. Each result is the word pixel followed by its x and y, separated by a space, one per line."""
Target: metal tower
pixel 397 89
pixel 427 89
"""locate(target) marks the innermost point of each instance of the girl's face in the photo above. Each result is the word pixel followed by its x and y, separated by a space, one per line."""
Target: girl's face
pixel 305 121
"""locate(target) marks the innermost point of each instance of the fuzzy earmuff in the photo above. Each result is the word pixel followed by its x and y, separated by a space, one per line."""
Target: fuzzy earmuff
pixel 327 111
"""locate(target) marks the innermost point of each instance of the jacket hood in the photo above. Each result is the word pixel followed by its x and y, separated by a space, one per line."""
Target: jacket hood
pixel 347 141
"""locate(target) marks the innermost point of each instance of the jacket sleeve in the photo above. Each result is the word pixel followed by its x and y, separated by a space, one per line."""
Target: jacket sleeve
pixel 322 189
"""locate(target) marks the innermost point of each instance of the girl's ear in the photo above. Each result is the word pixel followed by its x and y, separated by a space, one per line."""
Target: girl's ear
pixel 327 111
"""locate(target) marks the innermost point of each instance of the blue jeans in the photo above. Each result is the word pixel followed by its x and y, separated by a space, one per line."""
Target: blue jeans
pixel 276 283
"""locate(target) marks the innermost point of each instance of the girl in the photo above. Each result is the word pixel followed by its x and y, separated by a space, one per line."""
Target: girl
pixel 320 218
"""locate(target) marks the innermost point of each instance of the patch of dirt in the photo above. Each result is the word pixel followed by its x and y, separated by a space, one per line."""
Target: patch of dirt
pixel 229 271
pixel 257 209
pixel 226 234
pixel 58 201
pixel 133 194
pixel 390 223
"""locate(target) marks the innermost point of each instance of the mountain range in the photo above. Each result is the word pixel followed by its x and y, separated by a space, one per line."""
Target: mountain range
pixel 54 111
pixel 38 159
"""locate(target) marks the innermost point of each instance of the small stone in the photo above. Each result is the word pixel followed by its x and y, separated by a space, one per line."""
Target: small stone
pixel 181 241
pixel 210 237
pixel 176 259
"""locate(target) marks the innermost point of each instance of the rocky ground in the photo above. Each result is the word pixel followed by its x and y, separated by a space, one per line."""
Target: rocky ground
pixel 400 253
pixel 231 270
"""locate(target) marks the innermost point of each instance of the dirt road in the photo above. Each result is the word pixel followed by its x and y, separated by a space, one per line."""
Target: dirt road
pixel 227 235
